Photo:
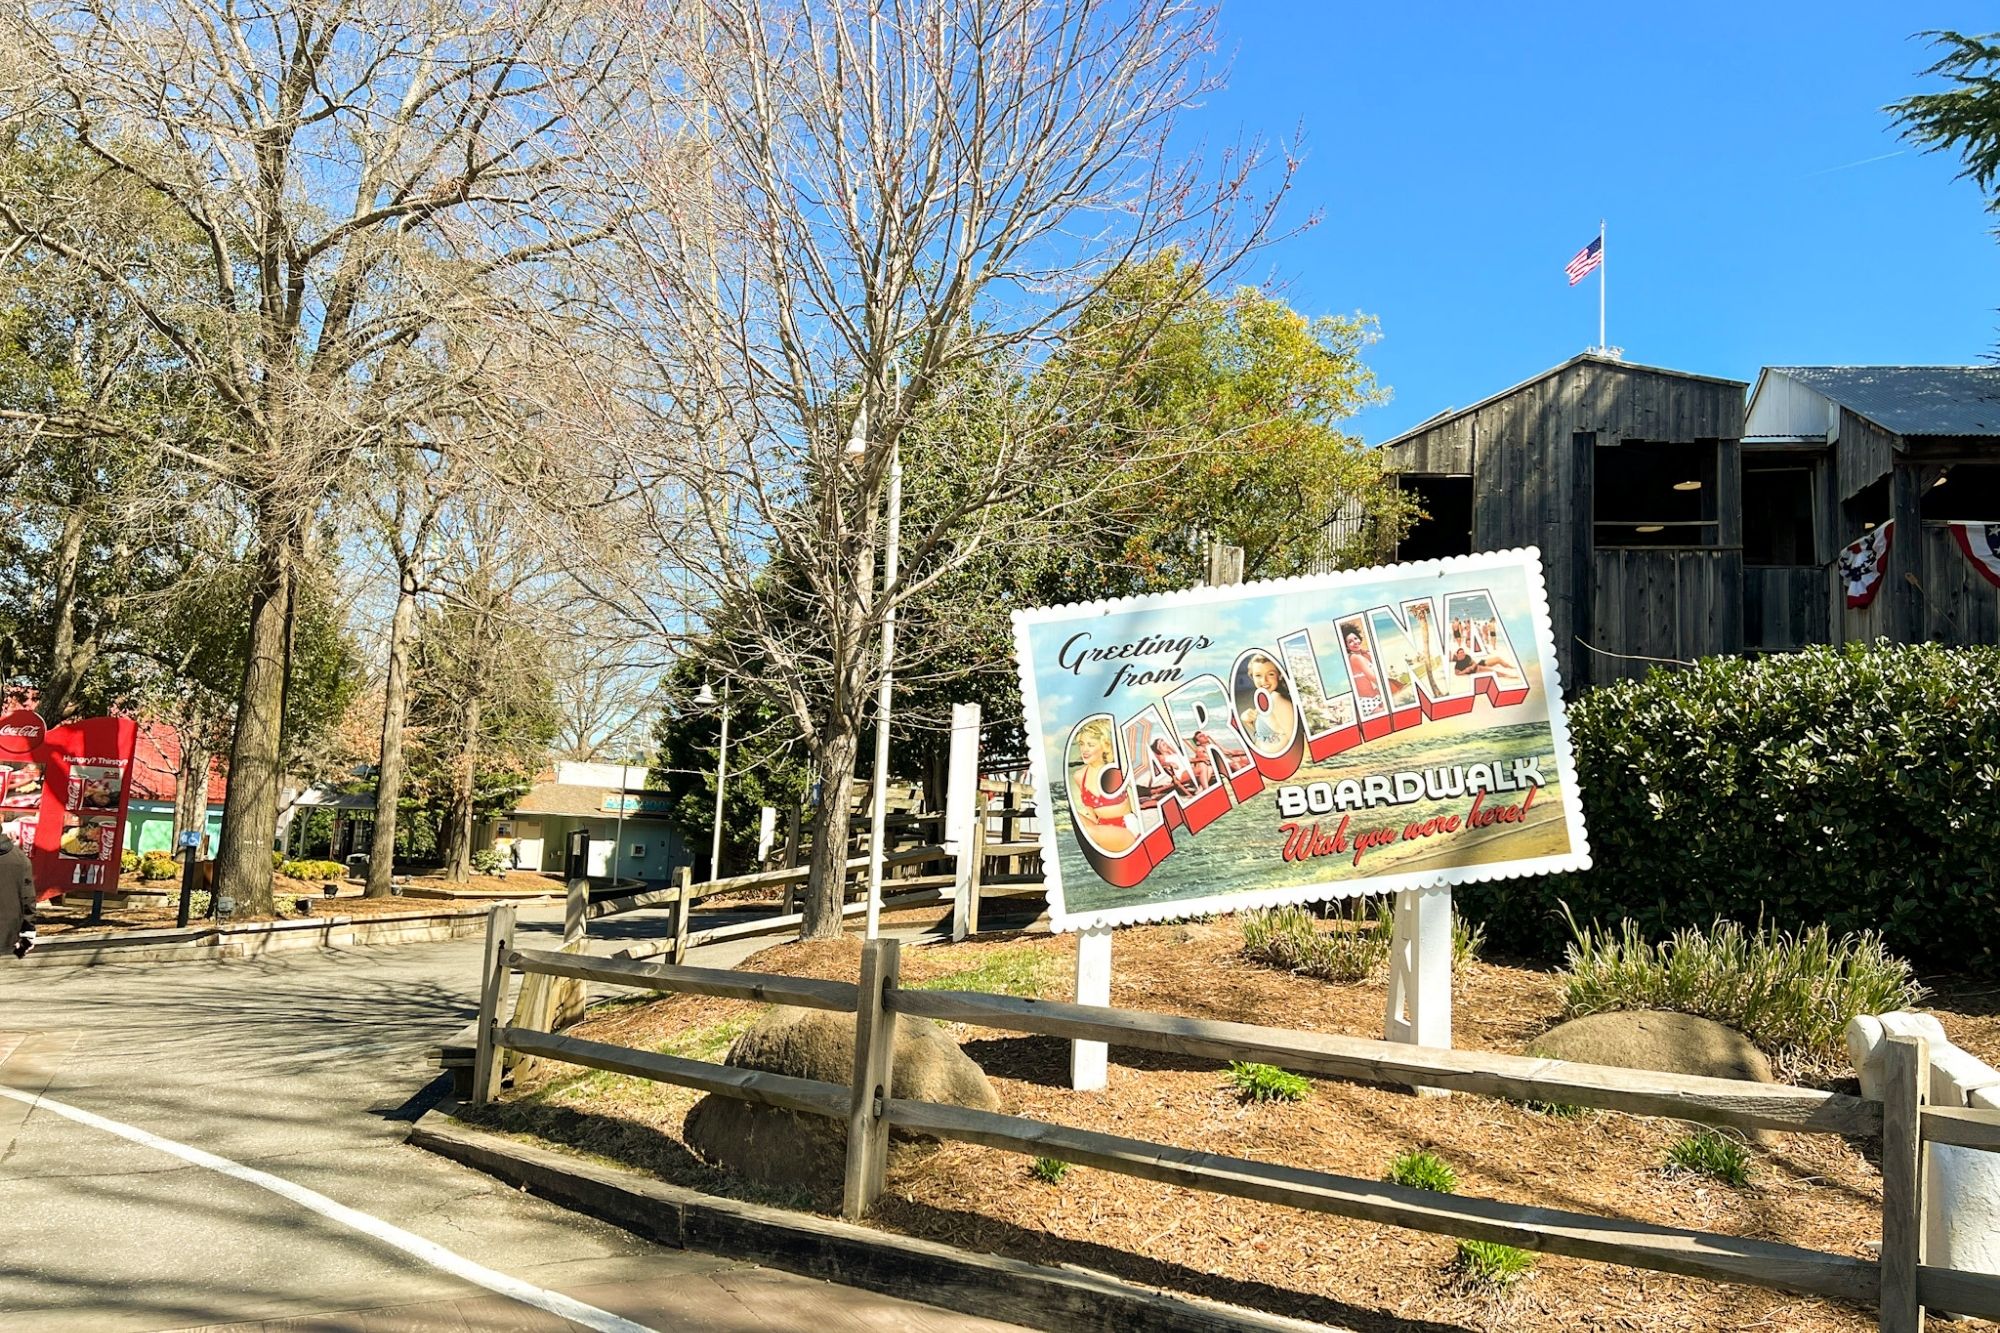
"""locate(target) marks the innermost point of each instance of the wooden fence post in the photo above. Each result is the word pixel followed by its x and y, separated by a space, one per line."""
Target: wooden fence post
pixel 978 871
pixel 874 1068
pixel 681 914
pixel 492 990
pixel 1906 1076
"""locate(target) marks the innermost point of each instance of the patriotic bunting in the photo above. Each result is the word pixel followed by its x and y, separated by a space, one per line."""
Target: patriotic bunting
pixel 1861 565
pixel 1981 544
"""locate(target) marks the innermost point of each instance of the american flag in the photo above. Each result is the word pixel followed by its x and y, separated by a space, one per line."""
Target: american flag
pixel 1586 259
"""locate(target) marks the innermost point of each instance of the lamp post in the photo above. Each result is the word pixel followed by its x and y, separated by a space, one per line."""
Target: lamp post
pixel 707 696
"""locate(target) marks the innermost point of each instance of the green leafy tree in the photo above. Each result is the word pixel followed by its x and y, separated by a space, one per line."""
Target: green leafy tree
pixel 482 714
pixel 1964 117
pixel 767 766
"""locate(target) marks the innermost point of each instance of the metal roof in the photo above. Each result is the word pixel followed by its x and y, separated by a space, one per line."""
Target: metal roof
pixel 1911 400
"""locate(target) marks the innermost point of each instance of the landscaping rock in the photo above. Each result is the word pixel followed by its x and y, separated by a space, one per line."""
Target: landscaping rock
pixel 1654 1039
pixel 788 1150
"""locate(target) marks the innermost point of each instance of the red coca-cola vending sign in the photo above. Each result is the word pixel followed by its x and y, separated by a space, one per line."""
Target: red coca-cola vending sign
pixel 63 793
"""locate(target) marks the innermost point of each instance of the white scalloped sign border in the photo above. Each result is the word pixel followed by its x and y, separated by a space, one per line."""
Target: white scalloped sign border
pixel 1527 559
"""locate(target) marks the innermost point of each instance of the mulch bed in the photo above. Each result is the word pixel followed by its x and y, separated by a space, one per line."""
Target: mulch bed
pixel 1807 1190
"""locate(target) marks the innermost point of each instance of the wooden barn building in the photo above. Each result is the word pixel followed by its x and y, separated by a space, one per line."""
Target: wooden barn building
pixel 1676 521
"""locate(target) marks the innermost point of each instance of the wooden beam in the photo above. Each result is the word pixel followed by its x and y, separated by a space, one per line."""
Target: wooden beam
pixel 874 1069
pixel 492 990
pixel 1906 1074
pixel 1580 1235
pixel 1637 1091
pixel 746 1085
pixel 681 905
pixel 1963 1126
pixel 1954 1290
pixel 764 987
pixel 773 925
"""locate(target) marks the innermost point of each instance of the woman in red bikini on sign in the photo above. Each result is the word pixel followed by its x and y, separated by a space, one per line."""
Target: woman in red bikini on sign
pixel 1099 794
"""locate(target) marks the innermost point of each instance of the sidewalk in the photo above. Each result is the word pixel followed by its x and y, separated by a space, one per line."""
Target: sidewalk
pixel 734 1298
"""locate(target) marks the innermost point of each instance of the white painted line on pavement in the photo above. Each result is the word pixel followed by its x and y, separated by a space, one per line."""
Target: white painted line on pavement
pixel 410 1243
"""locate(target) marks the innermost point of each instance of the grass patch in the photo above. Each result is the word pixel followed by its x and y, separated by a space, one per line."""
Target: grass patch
pixel 1050 1169
pixel 1023 972
pixel 711 1041
pixel 1423 1171
pixel 1267 1083
pixel 1791 992
pixel 1291 938
pixel 1488 1263
pixel 1553 1110
pixel 1707 1153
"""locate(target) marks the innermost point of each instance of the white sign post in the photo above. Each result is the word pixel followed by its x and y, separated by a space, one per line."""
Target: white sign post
pixel 961 807
pixel 1419 1009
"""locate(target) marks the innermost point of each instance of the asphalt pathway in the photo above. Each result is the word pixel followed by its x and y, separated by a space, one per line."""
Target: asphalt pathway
pixel 220 1144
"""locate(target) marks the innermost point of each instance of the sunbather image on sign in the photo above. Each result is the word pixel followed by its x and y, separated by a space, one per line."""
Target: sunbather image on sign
pixel 1298 739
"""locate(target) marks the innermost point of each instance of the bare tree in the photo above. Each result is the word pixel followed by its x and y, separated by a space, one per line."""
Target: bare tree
pixel 859 212
pixel 370 184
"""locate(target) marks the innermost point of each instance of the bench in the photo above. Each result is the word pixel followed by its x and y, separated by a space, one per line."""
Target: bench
pixel 455 1055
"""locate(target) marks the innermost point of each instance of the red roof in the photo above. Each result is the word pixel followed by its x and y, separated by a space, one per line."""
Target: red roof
pixel 157 757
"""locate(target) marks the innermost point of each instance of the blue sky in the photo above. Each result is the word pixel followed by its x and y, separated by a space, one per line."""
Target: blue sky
pixel 1460 154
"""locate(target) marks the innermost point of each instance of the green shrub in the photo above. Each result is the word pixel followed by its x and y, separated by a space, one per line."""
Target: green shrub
pixel 1291 938
pixel 1267 1083
pixel 486 861
pixel 1423 1171
pixel 277 860
pixel 313 871
pixel 128 863
pixel 157 866
pixel 1707 1153
pixel 1846 786
pixel 1791 992
pixel 1051 1169
pixel 1492 1264
pixel 1468 938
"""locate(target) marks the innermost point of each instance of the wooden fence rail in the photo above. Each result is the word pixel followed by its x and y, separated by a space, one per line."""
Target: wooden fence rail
pixel 1900 1286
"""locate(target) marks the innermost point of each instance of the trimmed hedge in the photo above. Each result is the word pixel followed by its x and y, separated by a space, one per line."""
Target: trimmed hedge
pixel 1855 786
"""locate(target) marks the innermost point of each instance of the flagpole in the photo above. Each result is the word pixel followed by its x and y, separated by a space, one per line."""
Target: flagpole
pixel 1602 260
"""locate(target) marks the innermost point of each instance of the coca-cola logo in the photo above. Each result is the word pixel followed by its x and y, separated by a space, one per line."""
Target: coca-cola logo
pixel 20 731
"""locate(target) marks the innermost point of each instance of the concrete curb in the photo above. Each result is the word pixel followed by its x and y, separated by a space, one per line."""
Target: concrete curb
pixel 253 940
pixel 835 1251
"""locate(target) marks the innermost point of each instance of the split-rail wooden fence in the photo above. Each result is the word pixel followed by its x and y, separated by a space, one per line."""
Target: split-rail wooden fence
pixel 1900 1284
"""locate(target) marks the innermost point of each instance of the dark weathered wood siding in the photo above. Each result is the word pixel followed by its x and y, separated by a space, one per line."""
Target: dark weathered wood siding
pixel 1530 454
pixel 1862 454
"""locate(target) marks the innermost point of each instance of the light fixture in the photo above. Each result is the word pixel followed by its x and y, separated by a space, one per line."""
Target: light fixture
pixel 707 695
pixel 1868 527
pixel 1650 527
pixel 1942 477
pixel 1687 485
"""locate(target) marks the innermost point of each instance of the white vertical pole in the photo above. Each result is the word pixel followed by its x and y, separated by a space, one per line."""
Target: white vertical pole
pixel 881 801
pixel 1089 1060
pixel 961 802
pixel 721 772
pixel 1603 262
pixel 1419 1009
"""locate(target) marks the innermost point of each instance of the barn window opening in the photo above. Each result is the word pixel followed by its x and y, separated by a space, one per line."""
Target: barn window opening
pixel 1778 513
pixel 1964 491
pixel 1446 528
pixel 1653 494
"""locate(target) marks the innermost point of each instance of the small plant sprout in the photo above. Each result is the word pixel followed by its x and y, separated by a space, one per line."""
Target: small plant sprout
pixel 1423 1171
pixel 1051 1169
pixel 1488 1263
pixel 1267 1083
pixel 1707 1153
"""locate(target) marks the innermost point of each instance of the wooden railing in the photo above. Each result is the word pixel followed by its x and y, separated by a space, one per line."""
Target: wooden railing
pixel 1900 1285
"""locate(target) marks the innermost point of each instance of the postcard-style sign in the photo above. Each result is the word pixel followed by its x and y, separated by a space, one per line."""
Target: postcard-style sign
pixel 1297 740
